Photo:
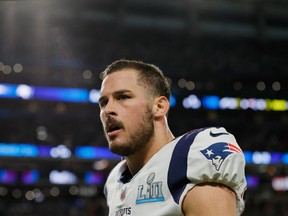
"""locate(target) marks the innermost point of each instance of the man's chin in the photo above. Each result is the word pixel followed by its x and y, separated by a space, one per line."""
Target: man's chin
pixel 113 141
pixel 119 149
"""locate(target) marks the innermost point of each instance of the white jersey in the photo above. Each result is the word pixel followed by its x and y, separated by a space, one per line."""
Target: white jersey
pixel 158 189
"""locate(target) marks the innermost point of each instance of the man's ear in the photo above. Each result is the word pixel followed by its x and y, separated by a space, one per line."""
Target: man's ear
pixel 161 106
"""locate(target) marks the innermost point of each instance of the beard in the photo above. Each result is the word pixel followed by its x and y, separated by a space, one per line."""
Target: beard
pixel 140 137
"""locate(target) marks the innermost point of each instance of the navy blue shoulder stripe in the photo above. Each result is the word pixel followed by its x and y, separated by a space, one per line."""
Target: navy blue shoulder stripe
pixel 177 172
pixel 105 192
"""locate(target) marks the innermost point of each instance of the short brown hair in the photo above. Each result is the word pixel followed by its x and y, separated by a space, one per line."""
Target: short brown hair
pixel 149 74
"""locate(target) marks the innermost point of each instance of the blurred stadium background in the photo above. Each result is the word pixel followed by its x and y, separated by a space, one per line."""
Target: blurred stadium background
pixel 227 62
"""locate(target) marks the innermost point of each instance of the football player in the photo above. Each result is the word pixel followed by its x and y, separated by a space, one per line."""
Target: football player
pixel 198 173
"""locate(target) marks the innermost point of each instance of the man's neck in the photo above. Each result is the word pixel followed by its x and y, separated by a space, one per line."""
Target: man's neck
pixel 136 161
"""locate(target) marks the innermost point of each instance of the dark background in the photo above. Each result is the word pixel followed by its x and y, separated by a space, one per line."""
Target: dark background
pixel 225 47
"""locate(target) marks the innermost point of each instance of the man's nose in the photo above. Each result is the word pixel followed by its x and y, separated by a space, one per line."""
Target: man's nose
pixel 110 109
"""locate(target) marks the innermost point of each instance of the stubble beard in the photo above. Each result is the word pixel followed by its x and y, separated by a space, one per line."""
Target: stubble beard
pixel 139 139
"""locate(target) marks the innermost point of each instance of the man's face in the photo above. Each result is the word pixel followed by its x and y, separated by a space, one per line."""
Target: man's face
pixel 126 112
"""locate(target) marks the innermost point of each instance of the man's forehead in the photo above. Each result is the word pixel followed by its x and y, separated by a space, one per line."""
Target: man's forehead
pixel 123 79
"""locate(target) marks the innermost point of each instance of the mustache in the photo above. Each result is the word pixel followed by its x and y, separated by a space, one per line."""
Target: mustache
pixel 112 123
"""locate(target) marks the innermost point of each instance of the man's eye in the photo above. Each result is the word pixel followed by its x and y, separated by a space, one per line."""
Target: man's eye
pixel 123 97
pixel 102 104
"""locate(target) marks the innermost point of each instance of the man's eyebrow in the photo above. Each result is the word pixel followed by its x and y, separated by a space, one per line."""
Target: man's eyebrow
pixel 121 91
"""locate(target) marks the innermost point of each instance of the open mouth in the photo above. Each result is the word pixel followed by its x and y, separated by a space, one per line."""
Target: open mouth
pixel 112 127
pixel 113 131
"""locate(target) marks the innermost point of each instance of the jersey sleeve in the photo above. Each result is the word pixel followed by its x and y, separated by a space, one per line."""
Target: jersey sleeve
pixel 212 155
